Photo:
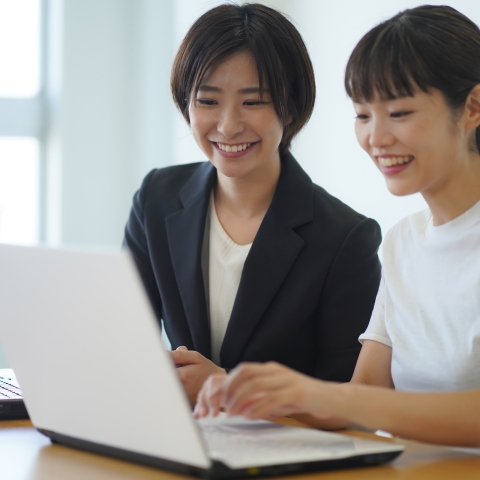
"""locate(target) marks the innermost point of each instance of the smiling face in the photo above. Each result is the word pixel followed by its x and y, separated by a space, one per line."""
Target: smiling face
pixel 415 142
pixel 238 132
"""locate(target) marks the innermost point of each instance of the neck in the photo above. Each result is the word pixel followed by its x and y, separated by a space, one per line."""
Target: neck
pixel 248 196
pixel 458 194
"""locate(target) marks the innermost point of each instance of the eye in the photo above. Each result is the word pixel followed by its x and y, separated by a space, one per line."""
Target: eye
pixel 361 116
pixel 400 114
pixel 252 103
pixel 206 101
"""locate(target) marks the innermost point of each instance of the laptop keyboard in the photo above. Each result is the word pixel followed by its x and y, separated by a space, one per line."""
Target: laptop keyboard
pixel 268 444
pixel 9 387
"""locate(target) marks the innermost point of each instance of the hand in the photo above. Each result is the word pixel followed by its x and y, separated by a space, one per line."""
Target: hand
pixel 193 369
pixel 258 391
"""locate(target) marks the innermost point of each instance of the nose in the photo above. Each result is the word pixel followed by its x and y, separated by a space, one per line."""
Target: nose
pixel 230 122
pixel 379 134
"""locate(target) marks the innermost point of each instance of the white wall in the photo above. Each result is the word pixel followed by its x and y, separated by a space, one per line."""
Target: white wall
pixel 110 112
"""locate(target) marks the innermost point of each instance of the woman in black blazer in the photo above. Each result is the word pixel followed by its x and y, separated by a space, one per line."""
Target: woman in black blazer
pixel 244 82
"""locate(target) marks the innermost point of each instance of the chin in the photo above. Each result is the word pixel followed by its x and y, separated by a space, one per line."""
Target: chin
pixel 400 190
pixel 232 167
pixel 232 171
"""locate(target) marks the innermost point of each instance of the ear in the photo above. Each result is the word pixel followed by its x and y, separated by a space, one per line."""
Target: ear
pixel 472 108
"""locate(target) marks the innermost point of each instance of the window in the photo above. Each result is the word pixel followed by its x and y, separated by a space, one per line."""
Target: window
pixel 21 121
pixel 21 118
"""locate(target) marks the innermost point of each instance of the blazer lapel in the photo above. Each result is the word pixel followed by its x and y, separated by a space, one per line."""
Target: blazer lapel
pixel 185 230
pixel 271 257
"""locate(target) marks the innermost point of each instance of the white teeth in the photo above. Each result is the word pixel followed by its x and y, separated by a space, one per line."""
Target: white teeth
pixel 389 161
pixel 233 148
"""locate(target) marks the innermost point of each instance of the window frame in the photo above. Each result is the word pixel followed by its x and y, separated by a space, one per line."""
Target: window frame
pixel 26 117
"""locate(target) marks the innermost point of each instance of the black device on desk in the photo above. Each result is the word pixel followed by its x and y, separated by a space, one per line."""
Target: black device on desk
pixel 11 399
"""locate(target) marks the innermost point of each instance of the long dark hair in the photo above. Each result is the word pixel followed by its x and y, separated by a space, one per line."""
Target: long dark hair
pixel 428 47
pixel 282 60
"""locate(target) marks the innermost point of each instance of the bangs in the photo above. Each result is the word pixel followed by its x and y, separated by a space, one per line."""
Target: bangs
pixel 385 63
pixel 234 34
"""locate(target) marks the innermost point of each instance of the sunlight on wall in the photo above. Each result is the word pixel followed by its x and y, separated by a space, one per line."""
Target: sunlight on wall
pixel 19 190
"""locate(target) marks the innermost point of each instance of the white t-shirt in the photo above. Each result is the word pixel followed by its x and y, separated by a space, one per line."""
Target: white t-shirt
pixel 225 266
pixel 428 305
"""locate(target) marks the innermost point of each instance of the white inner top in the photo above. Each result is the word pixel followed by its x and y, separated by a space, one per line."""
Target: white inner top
pixel 428 304
pixel 226 260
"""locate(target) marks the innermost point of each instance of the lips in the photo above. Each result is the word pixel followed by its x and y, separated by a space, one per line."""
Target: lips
pixel 234 150
pixel 394 164
pixel 239 147
pixel 391 161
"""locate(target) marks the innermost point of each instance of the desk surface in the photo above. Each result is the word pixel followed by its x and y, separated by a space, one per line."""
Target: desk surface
pixel 25 454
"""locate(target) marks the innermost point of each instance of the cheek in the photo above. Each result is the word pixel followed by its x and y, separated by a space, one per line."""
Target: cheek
pixel 272 126
pixel 420 138
pixel 198 124
pixel 361 134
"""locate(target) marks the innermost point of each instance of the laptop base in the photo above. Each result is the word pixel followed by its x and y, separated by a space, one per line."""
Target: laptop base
pixel 218 469
pixel 13 410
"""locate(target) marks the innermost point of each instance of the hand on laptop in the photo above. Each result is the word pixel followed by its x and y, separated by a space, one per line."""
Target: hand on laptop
pixel 193 369
pixel 255 391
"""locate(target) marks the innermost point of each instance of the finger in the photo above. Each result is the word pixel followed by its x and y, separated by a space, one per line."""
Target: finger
pixel 281 394
pixel 182 348
pixel 214 394
pixel 250 390
pixel 203 407
pixel 208 400
pixel 183 372
pixel 200 409
pixel 185 357
pixel 242 374
pixel 274 404
pixel 251 380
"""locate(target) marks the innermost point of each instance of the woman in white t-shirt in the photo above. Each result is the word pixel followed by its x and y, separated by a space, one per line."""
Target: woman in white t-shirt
pixel 415 84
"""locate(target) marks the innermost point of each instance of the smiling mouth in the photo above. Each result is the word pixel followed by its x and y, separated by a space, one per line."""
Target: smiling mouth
pixel 392 161
pixel 239 147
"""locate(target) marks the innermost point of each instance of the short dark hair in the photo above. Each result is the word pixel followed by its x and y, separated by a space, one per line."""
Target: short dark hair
pixel 427 46
pixel 282 60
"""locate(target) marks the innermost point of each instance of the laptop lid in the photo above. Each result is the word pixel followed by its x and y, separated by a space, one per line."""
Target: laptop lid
pixel 86 347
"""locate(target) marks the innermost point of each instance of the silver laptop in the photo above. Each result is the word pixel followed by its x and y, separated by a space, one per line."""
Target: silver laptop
pixel 79 332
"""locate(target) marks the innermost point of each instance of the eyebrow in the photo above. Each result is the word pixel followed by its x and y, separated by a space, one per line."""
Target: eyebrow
pixel 243 91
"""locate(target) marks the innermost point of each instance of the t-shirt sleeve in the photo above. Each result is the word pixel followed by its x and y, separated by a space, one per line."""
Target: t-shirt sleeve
pixel 376 329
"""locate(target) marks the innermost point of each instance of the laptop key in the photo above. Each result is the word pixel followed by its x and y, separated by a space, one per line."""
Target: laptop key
pixel 10 392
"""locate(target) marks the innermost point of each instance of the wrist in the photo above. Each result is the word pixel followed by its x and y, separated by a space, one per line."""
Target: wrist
pixel 327 399
pixel 344 397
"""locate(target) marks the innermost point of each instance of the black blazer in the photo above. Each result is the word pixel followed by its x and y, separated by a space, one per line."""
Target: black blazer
pixel 307 288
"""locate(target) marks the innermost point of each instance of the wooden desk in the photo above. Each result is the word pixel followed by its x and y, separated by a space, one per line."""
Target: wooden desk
pixel 25 454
